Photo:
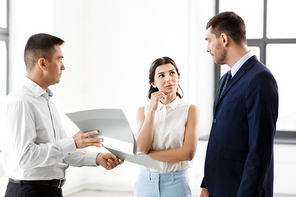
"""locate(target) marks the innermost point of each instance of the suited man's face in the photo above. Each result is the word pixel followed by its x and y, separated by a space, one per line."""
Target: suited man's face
pixel 215 47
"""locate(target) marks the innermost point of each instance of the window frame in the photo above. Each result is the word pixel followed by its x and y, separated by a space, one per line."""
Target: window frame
pixel 281 136
pixel 4 36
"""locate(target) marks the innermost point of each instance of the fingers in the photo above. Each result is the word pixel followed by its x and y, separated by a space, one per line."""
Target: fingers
pixel 159 95
pixel 113 163
pixel 121 161
pixel 90 133
pixel 93 142
pixel 156 97
pixel 108 161
pixel 114 160
pixel 83 140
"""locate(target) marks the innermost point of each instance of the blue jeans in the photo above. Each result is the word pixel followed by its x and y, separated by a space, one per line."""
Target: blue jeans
pixel 153 184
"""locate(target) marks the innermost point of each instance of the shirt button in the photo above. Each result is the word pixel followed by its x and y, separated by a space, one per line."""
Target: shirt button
pixel 214 121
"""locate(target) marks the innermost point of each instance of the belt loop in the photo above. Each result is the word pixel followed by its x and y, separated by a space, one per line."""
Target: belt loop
pixel 149 175
pixel 21 183
pixel 173 177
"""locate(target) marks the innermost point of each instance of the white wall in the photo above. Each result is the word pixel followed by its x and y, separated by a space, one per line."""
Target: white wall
pixel 285 169
pixel 108 50
pixel 111 44
pixel 26 18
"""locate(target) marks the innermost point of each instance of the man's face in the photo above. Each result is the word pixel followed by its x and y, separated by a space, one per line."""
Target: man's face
pixel 215 47
pixel 55 67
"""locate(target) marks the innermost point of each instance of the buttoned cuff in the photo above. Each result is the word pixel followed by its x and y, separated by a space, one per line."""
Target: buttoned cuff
pixel 68 146
pixel 90 159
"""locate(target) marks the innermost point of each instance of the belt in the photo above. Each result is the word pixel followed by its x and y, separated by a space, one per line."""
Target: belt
pixel 49 183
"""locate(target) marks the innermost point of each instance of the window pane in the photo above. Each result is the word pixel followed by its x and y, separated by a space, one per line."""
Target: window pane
pixel 255 51
pixel 279 58
pixel 3 67
pixel 3 14
pixel 253 19
pixel 280 19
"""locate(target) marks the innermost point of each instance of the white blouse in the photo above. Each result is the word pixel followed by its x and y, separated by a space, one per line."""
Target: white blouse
pixel 169 129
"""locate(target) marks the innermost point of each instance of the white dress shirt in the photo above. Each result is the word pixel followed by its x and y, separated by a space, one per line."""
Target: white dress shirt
pixel 240 62
pixel 34 143
pixel 169 129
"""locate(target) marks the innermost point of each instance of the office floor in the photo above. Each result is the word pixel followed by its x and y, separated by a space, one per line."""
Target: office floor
pixel 92 193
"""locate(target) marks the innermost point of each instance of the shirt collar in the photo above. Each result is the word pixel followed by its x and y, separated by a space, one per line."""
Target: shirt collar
pixel 36 90
pixel 240 62
pixel 172 105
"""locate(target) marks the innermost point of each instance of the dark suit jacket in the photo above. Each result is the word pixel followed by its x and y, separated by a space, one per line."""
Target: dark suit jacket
pixel 239 159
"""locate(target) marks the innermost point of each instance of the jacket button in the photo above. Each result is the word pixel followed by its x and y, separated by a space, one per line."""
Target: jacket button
pixel 214 121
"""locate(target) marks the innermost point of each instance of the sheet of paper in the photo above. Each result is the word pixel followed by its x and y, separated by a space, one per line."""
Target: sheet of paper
pixel 115 130
pixel 139 158
pixel 110 123
pixel 119 145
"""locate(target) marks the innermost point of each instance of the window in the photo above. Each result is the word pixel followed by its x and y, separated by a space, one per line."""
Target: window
pixel 3 54
pixel 3 47
pixel 271 36
pixel 3 14
pixel 3 68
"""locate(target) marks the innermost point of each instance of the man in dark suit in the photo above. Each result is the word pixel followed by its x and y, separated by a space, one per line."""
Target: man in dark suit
pixel 239 158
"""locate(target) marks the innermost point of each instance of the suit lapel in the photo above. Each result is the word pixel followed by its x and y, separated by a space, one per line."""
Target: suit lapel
pixel 222 81
pixel 240 73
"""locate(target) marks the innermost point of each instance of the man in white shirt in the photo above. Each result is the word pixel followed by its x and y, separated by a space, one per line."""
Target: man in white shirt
pixel 36 150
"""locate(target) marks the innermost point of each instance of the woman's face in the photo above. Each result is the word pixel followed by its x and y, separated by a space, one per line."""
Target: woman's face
pixel 166 78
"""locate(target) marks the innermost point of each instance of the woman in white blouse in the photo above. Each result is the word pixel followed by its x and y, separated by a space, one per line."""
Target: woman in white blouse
pixel 168 132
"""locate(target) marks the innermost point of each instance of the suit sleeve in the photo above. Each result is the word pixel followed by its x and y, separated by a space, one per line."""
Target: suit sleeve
pixel 203 184
pixel 262 109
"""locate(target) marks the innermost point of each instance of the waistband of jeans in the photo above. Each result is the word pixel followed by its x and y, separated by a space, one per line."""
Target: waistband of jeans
pixel 163 176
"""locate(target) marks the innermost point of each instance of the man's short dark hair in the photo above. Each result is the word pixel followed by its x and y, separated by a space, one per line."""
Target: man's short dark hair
pixel 40 46
pixel 229 23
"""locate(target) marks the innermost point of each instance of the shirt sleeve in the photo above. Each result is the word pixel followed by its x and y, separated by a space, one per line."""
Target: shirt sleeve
pixel 20 136
pixel 81 158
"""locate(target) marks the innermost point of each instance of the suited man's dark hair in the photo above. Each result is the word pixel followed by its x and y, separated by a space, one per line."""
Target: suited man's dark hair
pixel 229 23
pixel 40 46
pixel 154 65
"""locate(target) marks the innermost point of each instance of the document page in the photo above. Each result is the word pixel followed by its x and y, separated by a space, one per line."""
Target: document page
pixel 114 128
